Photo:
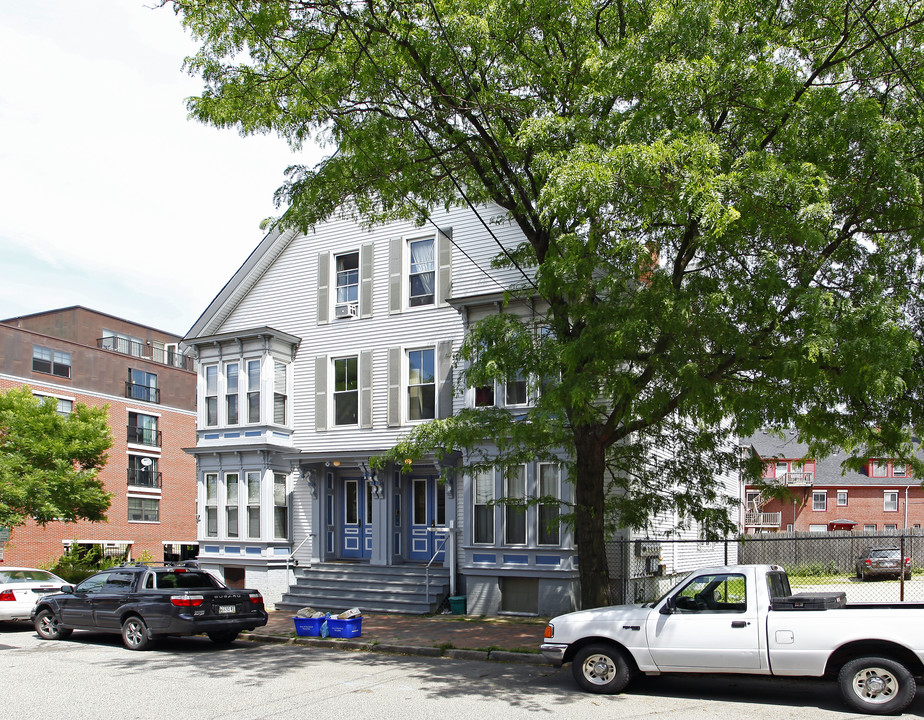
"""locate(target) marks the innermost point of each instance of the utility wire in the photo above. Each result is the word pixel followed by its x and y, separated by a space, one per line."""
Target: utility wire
pixel 885 46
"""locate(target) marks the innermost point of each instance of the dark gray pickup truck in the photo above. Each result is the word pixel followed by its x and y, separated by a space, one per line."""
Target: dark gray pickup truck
pixel 145 603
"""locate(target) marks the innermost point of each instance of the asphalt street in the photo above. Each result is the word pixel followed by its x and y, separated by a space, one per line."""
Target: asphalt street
pixel 92 676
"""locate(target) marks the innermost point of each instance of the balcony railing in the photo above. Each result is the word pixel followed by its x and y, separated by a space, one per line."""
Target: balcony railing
pixel 797 479
pixel 142 392
pixel 142 350
pixel 144 436
pixel 143 478
pixel 762 519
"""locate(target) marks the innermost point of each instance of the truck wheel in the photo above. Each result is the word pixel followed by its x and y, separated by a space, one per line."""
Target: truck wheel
pixel 47 627
pixel 876 685
pixel 601 668
pixel 225 637
pixel 135 634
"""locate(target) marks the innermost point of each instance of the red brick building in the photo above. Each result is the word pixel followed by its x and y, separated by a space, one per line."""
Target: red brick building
pixel 823 497
pixel 80 355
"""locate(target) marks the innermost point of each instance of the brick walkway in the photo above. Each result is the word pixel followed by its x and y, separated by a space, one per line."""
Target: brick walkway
pixel 438 631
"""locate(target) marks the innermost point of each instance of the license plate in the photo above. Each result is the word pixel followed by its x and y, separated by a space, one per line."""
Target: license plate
pixel 226 609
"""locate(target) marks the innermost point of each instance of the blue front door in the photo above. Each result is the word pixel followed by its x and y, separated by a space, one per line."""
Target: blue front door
pixel 428 520
pixel 356 535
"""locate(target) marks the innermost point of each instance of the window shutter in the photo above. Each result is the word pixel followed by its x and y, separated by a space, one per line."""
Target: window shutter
pixel 444 256
pixel 394 387
pixel 323 288
pixel 365 282
pixel 444 378
pixel 320 393
pixel 394 275
pixel 365 389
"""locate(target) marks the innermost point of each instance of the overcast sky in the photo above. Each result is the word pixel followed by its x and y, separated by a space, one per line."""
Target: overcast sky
pixel 109 196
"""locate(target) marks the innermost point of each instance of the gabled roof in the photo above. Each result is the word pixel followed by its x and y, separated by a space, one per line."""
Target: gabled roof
pixel 247 275
pixel 828 471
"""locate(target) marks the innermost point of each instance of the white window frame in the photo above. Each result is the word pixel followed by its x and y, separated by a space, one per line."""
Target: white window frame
pixel 335 393
pixel 280 505
pixel 869 527
pixel 516 478
pixel 540 521
pixel 408 385
pixel 818 528
pixel 886 502
pixel 232 502
pixel 210 394
pixel 251 391
pixel 816 494
pixel 280 382
pixel 517 379
pixel 356 285
pixel 254 502
pixel 409 272
pixel 234 392
pixel 842 494
pixel 899 473
pixel 484 480
pixel 211 504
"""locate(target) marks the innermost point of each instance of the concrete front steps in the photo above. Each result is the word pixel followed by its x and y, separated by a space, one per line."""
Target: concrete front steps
pixel 334 587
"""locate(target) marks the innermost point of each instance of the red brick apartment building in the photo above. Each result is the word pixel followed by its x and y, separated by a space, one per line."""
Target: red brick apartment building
pixel 80 355
pixel 882 497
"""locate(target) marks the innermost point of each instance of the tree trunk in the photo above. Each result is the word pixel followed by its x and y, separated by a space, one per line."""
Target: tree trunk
pixel 589 518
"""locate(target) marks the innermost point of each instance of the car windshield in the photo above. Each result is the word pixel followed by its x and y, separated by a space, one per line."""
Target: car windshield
pixel 27 576
pixel 885 553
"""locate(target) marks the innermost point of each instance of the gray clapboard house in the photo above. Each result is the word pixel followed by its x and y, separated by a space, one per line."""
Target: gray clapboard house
pixel 323 350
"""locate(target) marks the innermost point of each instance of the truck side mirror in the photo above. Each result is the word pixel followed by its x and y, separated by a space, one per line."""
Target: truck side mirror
pixel 669 606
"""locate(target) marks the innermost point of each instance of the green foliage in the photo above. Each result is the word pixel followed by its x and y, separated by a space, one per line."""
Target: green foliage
pixel 814 569
pixel 79 562
pixel 721 206
pixel 49 463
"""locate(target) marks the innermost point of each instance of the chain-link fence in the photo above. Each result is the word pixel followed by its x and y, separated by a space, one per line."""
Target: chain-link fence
pixel 867 566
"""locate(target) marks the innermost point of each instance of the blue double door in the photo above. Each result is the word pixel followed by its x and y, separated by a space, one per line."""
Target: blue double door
pixel 419 532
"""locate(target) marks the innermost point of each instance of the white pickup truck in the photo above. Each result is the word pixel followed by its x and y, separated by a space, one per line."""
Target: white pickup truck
pixel 744 619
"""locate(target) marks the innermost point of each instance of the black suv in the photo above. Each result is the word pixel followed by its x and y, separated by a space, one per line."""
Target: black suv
pixel 144 603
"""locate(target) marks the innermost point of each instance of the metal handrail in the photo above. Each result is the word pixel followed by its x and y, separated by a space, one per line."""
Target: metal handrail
pixel 432 558
pixel 292 554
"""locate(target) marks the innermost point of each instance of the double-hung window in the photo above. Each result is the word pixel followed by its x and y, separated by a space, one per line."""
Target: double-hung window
pixel 53 362
pixel 819 500
pixel 280 507
pixel 231 393
pixel 899 469
pixel 280 393
pixel 211 504
pixel 253 504
pixel 211 395
pixel 253 391
pixel 841 498
pixel 515 507
pixel 347 284
pixel 421 385
pixel 483 508
pixel 346 391
pixel 422 273
pixel 890 501
pixel 549 512
pixel 232 505
pixel 516 391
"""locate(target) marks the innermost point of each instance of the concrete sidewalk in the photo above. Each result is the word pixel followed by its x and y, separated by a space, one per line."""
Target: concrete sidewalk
pixel 456 636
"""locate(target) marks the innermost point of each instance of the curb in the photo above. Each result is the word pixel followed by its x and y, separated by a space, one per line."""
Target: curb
pixel 501 656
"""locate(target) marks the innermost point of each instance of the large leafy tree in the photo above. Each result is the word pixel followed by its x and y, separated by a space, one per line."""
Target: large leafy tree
pixel 49 462
pixel 721 206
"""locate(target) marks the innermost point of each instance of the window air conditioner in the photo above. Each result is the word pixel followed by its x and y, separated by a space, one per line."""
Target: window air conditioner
pixel 346 310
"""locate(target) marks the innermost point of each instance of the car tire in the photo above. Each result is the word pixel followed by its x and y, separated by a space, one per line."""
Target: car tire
pixel 225 637
pixel 876 685
pixel 135 634
pixel 48 628
pixel 601 668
